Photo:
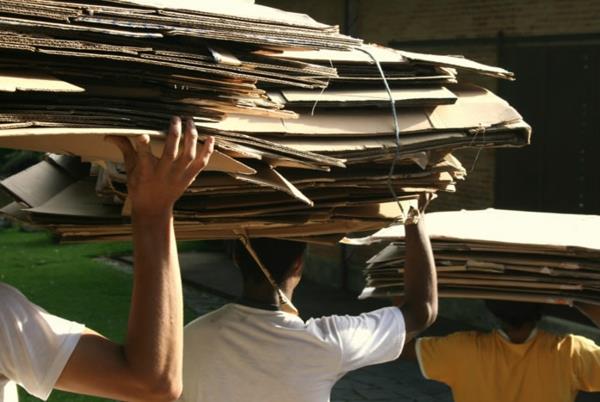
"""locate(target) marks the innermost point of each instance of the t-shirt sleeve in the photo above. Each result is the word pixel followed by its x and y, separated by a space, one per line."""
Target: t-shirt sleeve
pixel 438 356
pixel 585 358
pixel 34 345
pixel 370 338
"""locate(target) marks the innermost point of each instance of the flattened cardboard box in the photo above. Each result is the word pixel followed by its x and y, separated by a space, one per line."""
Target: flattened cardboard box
pixel 508 255
pixel 90 143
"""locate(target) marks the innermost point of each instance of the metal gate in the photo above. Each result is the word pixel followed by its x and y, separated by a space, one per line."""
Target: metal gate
pixel 558 93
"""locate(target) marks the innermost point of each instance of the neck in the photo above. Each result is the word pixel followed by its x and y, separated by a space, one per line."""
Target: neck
pixel 264 293
pixel 521 334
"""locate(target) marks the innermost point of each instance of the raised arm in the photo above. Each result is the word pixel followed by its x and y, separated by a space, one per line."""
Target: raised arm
pixel 419 304
pixel 148 366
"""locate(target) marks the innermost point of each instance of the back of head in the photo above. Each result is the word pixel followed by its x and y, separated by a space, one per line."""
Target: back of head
pixel 515 314
pixel 278 256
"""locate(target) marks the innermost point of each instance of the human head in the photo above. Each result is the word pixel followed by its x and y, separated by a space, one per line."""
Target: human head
pixel 283 259
pixel 515 315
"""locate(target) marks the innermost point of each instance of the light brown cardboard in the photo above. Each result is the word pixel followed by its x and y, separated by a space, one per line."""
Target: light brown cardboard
pixel 497 254
pixel 14 81
pixel 238 10
pixel 90 143
pixel 37 184
pixel 562 232
pixel 403 97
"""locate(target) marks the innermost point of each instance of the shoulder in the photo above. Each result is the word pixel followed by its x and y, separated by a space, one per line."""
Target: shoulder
pixel 12 301
pixel 379 316
pixel 22 318
pixel 459 337
pixel 443 358
pixel 464 337
pixel 210 318
pixel 461 341
pixel 377 320
pixel 572 344
pixel 581 341
pixel 9 292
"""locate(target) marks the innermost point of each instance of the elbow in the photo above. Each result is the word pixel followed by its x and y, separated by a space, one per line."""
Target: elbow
pixel 170 391
pixel 161 389
pixel 424 316
pixel 431 315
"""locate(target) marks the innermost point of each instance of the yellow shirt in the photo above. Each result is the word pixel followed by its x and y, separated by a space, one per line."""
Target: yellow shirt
pixel 488 367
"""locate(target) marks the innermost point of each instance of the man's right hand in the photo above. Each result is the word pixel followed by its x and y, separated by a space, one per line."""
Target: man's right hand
pixel 155 184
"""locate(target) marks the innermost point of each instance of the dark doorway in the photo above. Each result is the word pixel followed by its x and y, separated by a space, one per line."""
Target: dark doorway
pixel 557 92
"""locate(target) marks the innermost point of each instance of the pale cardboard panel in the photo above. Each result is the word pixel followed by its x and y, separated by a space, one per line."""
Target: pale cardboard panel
pixel 90 144
pixel 499 254
pixel 382 54
pixel 403 97
pixel 510 228
pixel 269 177
pixel 21 82
pixel 475 107
pixel 78 200
pixel 327 123
pixel 243 10
pixel 37 184
pixel 393 56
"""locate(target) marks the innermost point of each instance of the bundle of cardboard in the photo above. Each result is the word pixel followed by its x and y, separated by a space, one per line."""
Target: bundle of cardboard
pixel 498 254
pixel 317 134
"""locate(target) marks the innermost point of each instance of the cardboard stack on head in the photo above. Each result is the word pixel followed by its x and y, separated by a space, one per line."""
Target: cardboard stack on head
pixel 307 146
pixel 519 256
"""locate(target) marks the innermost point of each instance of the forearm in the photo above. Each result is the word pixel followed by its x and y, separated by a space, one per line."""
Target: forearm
pixel 153 346
pixel 420 282
pixel 148 366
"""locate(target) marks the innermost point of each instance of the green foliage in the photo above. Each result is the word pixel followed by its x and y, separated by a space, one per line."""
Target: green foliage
pixel 4 198
pixel 12 161
pixel 69 282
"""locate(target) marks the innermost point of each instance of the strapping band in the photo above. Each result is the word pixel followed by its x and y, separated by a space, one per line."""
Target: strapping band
pixel 284 302
pixel 396 125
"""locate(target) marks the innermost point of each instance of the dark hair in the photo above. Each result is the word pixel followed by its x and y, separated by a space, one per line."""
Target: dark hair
pixel 515 314
pixel 278 256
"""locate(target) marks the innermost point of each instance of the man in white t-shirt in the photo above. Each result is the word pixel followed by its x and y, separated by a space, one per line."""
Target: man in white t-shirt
pixel 252 351
pixel 40 352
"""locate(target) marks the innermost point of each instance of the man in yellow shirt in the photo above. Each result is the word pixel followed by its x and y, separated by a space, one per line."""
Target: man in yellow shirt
pixel 516 363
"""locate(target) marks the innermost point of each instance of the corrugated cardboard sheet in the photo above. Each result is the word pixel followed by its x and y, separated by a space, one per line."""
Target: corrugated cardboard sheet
pixel 498 254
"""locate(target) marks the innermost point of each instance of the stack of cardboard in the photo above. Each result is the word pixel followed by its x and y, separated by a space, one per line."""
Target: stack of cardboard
pixel 77 204
pixel 307 144
pixel 136 63
pixel 498 254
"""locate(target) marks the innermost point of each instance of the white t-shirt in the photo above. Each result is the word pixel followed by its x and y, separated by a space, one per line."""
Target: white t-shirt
pixel 239 353
pixel 34 346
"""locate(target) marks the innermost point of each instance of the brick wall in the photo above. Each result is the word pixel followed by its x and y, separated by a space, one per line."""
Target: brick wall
pixel 386 20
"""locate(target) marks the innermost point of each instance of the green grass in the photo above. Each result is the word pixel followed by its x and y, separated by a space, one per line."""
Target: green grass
pixel 67 281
